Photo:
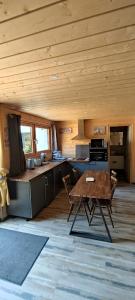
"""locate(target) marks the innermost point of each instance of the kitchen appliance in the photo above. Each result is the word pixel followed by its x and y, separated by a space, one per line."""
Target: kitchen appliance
pixel 42 156
pixel 97 143
pixel 81 134
pixel 30 163
pixel 37 162
pixel 98 155
pixel 98 150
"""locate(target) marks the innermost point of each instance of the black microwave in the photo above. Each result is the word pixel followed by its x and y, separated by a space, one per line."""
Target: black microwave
pixel 97 143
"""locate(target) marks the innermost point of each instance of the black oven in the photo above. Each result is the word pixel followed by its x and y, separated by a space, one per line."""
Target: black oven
pixel 98 155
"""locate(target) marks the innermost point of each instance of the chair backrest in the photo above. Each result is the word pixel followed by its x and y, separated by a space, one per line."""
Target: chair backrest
pixel 67 185
pixel 76 174
pixel 113 185
pixel 4 194
pixel 113 173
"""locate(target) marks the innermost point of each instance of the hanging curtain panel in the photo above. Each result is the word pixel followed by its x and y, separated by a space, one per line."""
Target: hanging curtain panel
pixel 17 158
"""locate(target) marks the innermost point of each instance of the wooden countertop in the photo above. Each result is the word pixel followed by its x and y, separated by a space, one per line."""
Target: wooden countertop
pixel 31 174
pixel 78 160
pixel 86 161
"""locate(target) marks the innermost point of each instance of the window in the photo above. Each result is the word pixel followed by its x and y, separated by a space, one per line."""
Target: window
pixel 35 139
pixel 42 139
pixel 26 132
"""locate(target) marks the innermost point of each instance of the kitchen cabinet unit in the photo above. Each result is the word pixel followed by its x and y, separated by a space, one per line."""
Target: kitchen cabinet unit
pixel 32 191
pixel 20 195
pixel 37 197
pixel 49 188
pixel 117 162
pixel 93 165
pixel 28 198
pixel 58 179
pixel 36 189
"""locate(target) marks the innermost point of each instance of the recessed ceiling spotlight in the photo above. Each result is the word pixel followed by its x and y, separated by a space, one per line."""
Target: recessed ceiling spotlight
pixel 55 77
pixel 76 102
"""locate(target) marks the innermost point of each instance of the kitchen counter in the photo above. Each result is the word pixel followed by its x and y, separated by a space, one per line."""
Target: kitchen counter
pixel 31 174
pixel 84 165
pixel 79 160
pixel 35 189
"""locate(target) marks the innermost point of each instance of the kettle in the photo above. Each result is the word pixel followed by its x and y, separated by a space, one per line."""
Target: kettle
pixel 30 163
pixel 37 162
pixel 42 156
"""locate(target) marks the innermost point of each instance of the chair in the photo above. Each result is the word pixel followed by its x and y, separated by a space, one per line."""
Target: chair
pixel 75 201
pixel 113 187
pixel 105 203
pixel 4 194
pixel 113 173
pixel 76 175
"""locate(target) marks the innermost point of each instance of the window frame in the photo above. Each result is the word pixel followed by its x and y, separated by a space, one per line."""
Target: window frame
pixel 36 153
pixel 49 140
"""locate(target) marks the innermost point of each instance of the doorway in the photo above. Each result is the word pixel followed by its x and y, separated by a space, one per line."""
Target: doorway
pixel 120 151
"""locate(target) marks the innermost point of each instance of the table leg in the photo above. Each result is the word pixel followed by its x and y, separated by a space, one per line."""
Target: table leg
pixel 103 217
pixel 77 211
pixel 85 204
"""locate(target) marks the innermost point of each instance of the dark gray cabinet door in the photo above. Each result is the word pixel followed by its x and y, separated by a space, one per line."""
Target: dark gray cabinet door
pixel 20 199
pixel 37 194
pixel 49 187
pixel 57 180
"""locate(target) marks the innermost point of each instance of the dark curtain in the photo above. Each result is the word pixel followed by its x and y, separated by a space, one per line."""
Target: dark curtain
pixel 17 158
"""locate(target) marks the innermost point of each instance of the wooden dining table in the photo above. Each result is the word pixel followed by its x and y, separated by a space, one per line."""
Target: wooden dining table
pixel 98 189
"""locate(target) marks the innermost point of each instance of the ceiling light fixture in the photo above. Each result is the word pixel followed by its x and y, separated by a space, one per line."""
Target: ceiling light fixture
pixel 54 77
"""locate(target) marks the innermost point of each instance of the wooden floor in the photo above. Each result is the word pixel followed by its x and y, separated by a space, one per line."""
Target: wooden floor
pixel 78 268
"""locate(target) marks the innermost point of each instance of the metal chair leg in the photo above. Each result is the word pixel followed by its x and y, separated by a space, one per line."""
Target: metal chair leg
pixel 92 207
pixel 84 204
pixel 110 216
pixel 93 210
pixel 110 206
pixel 79 205
pixel 70 212
pixel 89 209
pixel 103 217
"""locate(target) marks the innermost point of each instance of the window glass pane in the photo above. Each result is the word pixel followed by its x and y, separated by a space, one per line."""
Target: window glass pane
pixel 42 139
pixel 26 132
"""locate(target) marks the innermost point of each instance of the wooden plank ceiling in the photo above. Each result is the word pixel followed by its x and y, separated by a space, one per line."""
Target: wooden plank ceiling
pixel 68 59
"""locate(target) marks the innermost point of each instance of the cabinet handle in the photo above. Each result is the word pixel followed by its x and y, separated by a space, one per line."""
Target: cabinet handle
pixel 46 180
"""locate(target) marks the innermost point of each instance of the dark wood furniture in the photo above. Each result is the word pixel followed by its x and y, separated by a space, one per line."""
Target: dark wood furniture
pixel 99 189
